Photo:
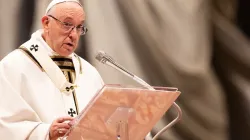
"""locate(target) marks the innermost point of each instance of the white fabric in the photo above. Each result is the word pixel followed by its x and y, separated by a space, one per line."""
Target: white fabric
pixel 55 2
pixel 52 70
pixel 30 101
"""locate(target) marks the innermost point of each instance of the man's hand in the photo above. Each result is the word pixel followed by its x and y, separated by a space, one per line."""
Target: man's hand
pixel 59 127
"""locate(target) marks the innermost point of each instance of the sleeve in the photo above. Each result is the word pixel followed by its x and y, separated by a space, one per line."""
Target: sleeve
pixel 18 121
pixel 99 83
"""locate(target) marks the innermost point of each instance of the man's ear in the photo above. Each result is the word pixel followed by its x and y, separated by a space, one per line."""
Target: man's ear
pixel 45 22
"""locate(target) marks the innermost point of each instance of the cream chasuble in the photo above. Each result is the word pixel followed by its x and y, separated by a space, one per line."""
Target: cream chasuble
pixel 37 86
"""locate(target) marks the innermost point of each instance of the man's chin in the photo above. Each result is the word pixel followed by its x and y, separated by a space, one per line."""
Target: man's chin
pixel 65 54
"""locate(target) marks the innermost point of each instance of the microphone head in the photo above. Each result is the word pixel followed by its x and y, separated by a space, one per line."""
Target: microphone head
pixel 100 56
pixel 103 57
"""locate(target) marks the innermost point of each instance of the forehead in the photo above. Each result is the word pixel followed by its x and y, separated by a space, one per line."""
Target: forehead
pixel 69 10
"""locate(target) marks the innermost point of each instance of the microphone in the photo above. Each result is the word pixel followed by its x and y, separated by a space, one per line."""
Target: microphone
pixel 106 59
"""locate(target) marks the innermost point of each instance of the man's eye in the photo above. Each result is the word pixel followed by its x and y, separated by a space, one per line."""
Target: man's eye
pixel 67 24
pixel 80 26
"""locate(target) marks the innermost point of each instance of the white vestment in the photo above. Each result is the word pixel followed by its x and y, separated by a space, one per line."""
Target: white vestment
pixel 30 100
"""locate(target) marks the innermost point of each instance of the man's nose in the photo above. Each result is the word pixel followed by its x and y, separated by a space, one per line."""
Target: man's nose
pixel 73 33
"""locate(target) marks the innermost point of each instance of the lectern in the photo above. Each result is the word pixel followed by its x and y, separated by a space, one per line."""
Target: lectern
pixel 122 113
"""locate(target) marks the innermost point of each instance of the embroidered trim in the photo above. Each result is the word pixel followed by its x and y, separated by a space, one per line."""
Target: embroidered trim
pixel 54 58
pixel 27 53
pixel 79 63
pixel 63 63
pixel 76 102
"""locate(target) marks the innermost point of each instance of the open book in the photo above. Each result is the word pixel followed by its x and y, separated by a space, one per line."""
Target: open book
pixel 122 113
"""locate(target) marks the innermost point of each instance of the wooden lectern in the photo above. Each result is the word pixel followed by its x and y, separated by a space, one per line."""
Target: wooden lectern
pixel 122 113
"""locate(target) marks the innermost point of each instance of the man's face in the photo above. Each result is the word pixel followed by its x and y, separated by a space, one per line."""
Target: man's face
pixel 61 38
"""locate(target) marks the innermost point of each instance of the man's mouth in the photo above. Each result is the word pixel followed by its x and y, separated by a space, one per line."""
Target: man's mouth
pixel 69 44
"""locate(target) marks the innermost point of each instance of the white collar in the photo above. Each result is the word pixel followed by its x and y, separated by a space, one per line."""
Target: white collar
pixel 38 37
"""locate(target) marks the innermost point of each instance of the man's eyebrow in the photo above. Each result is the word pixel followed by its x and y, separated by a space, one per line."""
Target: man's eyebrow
pixel 67 18
pixel 81 23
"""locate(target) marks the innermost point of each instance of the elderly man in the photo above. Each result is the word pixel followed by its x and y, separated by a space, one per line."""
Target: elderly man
pixel 44 84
